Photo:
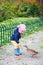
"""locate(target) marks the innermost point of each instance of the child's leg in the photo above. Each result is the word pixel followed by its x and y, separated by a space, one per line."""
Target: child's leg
pixel 16 52
pixel 19 51
pixel 16 48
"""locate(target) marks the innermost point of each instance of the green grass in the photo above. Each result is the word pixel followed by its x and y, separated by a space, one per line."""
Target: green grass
pixel 32 25
pixel 1 58
pixel 41 47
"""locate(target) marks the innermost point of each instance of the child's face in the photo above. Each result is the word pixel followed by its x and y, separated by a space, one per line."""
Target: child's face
pixel 22 32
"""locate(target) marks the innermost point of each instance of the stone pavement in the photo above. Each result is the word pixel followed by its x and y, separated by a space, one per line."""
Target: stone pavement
pixel 34 41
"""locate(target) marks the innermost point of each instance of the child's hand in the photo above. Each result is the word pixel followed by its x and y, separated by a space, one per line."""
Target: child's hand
pixel 19 45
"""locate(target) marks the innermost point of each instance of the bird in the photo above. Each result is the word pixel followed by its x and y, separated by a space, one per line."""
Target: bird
pixel 31 51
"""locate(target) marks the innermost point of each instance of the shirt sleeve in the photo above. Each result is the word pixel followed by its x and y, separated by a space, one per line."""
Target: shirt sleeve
pixel 16 38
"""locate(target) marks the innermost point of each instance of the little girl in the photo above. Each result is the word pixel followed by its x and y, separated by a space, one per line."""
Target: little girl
pixel 15 38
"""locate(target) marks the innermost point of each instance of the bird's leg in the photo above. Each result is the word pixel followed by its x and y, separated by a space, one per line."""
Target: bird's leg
pixel 33 55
